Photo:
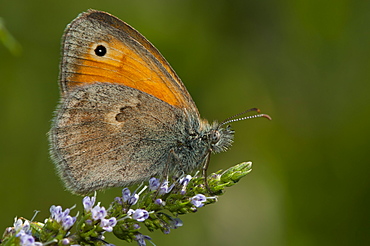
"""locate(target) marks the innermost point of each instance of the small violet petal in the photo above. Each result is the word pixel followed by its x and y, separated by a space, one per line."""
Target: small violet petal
pixel 140 215
pixel 98 212
pixel 198 200
pixel 154 184
pixel 88 203
pixel 126 194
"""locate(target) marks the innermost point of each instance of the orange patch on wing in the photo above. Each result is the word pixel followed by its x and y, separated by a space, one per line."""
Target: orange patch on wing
pixel 122 65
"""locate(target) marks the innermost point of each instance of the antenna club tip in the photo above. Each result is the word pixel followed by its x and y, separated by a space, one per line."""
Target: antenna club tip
pixel 254 109
pixel 266 116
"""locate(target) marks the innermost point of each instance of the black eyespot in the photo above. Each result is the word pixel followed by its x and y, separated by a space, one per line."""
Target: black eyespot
pixel 100 50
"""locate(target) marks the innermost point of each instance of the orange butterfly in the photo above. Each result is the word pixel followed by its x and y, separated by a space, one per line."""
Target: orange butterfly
pixel 125 116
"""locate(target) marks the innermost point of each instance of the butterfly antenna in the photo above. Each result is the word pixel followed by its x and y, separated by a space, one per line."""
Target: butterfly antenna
pixel 232 118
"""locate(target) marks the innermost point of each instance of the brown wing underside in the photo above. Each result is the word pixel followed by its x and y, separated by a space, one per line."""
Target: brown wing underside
pixel 109 135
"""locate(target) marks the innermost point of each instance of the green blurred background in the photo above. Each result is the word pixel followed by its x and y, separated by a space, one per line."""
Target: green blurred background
pixel 306 63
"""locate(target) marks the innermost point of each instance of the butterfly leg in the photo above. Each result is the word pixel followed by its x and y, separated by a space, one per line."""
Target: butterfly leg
pixel 204 171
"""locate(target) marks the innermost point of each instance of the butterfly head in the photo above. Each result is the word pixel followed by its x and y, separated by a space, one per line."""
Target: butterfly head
pixel 219 139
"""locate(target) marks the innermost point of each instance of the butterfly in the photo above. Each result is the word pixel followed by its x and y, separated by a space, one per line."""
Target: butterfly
pixel 124 115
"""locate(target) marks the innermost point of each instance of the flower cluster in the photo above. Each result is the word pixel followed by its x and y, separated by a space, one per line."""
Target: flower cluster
pixel 156 208
pixel 183 195
pixel 23 233
pixel 99 213
pixel 62 217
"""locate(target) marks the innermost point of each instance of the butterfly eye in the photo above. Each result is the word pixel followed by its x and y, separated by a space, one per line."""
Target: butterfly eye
pixel 215 137
pixel 100 50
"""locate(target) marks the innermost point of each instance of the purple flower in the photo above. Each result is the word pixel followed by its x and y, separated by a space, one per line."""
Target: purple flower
pixel 56 212
pixel 163 189
pixel 20 225
pixel 118 200
pixel 133 199
pixel 154 184
pixel 185 180
pixel 27 240
pixel 88 203
pixel 126 193
pixel 176 223
pixel 62 217
pixel 98 212
pixel 140 215
pixel 130 212
pixel 108 224
pixel 65 213
pixel 140 238
pixel 159 201
pixel 198 200
pixel 127 197
pixel 68 221
pixel 65 241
